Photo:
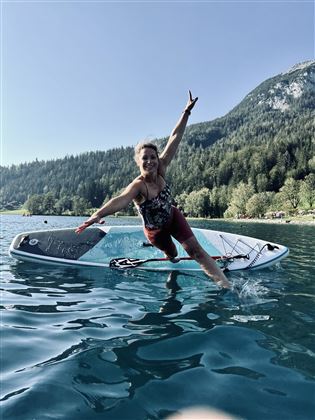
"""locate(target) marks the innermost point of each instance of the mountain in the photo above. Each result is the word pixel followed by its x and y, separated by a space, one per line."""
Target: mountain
pixel 267 138
pixel 283 92
pixel 289 93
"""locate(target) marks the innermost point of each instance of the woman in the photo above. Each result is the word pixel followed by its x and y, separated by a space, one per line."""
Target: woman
pixel 152 197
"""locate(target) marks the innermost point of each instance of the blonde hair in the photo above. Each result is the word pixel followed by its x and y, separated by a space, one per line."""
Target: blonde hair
pixel 143 145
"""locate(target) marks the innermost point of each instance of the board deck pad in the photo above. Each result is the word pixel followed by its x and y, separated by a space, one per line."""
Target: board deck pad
pixel 97 246
pixel 63 243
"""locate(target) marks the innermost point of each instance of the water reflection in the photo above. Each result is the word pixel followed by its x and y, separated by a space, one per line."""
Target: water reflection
pixel 116 341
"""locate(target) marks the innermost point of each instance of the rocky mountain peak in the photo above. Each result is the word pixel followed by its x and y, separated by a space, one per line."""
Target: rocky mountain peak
pixel 301 66
pixel 282 91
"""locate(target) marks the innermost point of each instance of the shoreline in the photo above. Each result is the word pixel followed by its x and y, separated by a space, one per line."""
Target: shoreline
pixel 272 221
pixel 293 221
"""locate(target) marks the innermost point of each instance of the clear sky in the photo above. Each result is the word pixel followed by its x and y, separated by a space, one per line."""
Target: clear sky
pixel 81 76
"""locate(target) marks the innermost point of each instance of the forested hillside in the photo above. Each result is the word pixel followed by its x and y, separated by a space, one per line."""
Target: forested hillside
pixel 263 147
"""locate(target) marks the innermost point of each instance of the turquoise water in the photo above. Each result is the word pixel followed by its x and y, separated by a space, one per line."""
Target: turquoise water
pixel 101 344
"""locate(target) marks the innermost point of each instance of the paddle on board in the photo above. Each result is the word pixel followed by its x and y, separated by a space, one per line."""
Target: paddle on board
pixel 135 262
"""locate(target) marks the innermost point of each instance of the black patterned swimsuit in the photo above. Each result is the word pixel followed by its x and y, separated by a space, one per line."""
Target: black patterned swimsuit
pixel 157 211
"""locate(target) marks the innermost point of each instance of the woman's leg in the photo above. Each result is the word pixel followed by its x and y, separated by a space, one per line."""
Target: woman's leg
pixel 162 240
pixel 181 231
pixel 195 251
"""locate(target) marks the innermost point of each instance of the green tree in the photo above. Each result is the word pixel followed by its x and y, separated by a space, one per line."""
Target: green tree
pixel 276 176
pixel 311 163
pixel 258 204
pixel 34 204
pixel 49 203
pixel 64 204
pixel 181 201
pixel 308 190
pixel 240 196
pixel 197 203
pixel 291 193
pixel 80 206
pixel 219 198
pixel 261 182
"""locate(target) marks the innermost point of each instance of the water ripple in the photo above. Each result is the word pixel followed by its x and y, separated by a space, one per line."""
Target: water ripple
pixel 92 343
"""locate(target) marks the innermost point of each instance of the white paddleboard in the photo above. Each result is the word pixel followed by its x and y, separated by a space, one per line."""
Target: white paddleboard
pixel 98 246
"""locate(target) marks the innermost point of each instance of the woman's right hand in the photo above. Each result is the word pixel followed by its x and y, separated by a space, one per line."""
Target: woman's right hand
pixel 93 219
pixel 191 102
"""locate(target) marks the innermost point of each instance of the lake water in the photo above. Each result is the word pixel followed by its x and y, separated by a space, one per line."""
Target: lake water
pixel 102 344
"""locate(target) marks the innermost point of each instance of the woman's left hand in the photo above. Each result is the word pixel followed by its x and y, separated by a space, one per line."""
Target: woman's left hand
pixel 93 219
pixel 191 102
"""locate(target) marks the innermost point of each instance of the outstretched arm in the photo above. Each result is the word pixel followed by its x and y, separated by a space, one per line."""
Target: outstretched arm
pixel 177 134
pixel 113 205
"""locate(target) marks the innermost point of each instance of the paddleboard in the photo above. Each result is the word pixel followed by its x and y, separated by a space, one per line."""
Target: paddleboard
pixel 98 246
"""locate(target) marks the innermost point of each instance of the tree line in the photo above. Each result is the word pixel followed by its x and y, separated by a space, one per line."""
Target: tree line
pixel 238 201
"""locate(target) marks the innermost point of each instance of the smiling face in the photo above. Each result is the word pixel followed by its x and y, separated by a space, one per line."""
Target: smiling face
pixel 148 161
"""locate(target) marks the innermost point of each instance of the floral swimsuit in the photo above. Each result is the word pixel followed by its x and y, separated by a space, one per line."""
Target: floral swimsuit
pixel 157 211
pixel 162 221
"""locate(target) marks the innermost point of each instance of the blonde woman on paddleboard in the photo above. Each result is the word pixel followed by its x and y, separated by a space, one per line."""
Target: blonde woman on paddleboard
pixel 152 197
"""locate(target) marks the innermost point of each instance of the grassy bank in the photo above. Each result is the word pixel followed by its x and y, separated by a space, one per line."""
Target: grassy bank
pixel 17 211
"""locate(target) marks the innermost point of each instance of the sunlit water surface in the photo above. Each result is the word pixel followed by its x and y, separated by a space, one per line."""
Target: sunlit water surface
pixel 103 344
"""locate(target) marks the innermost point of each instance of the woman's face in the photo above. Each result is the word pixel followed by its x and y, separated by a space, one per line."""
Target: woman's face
pixel 148 160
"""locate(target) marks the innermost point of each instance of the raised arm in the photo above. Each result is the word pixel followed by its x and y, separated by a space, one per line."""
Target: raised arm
pixel 113 205
pixel 177 134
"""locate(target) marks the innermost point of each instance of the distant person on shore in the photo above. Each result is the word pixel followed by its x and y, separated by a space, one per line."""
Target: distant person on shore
pixel 152 197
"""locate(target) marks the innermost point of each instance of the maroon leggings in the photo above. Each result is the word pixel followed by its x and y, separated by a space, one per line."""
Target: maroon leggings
pixel 176 226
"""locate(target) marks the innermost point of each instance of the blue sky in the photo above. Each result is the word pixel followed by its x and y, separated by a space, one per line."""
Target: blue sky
pixel 81 76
